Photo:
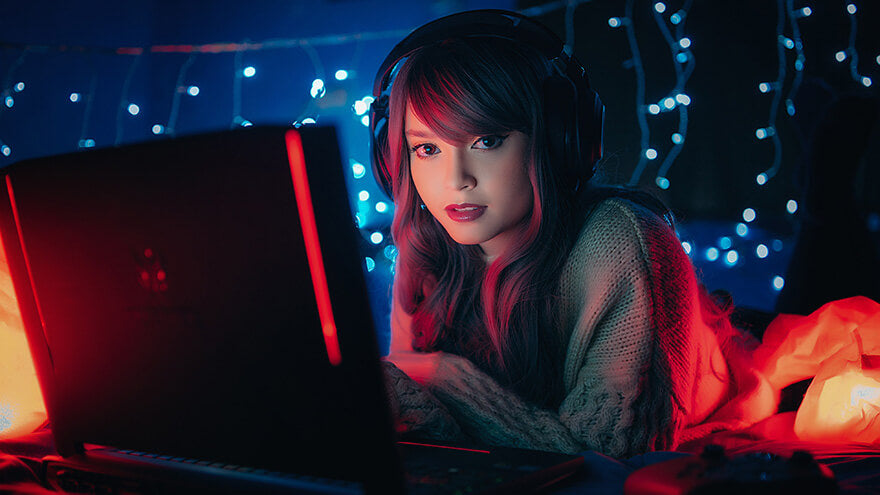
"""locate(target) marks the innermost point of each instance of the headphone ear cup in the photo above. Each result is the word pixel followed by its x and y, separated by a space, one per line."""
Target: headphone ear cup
pixel 379 143
pixel 592 115
pixel 561 126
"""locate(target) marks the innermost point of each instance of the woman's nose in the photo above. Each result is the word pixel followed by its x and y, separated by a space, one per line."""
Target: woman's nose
pixel 458 173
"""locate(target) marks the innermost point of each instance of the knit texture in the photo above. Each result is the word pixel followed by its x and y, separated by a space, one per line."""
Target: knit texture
pixel 643 368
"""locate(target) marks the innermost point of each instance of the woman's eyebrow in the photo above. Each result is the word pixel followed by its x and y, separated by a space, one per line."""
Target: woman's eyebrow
pixel 418 133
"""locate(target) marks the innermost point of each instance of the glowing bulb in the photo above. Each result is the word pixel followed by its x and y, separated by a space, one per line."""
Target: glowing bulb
pixel 249 71
pixel 308 120
pixel 381 207
pixel 866 81
pixel 787 42
pixel 675 18
pixel 851 8
pixel 318 88
pixel 683 99
pixel 761 251
pixel 660 7
pixel 761 179
pixel 681 57
pixel 687 247
pixel 390 252
pixel 193 91
pixel 791 206
pixel 712 254
pixel 10 101
pixel 368 99
pixel 877 59
pixel 806 12
pixel 365 120
pixel 677 138
pixel 363 195
pixel 614 22
pixel 86 143
pixel 653 109
pixel 662 182
pixel 684 42
pixel 742 229
pixel 789 107
pixel 341 75
pixel 749 215
pixel 731 258
pixel 318 83
pixel 724 242
pixel 761 133
pixel 74 97
pixel 158 129
pixel 764 87
pixel 360 107
pixel 799 63
pixel 6 150
pixel 777 245
pixel 134 109
pixel 651 153
pixel 669 103
pixel 371 264
pixel 376 237
pixel 358 170
pixel 840 56
pixel 778 282
pixel 19 87
pixel 246 123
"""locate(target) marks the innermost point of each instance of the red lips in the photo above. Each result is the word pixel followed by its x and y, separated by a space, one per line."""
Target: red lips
pixel 465 212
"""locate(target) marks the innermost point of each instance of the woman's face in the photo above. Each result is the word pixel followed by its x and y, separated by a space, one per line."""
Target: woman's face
pixel 478 190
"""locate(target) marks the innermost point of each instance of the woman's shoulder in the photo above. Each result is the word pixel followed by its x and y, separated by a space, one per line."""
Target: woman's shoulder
pixel 618 219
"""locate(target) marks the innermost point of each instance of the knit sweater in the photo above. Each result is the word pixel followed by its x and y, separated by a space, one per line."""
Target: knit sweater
pixel 647 364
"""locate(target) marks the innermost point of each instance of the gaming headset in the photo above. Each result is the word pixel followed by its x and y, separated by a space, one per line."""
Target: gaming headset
pixel 573 112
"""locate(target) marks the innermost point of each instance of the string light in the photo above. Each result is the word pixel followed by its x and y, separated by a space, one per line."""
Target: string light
pixel 358 170
pixel 249 71
pixel 761 251
pixel 341 75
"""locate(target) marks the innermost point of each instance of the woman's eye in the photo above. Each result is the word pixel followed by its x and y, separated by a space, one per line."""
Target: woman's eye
pixel 424 150
pixel 488 142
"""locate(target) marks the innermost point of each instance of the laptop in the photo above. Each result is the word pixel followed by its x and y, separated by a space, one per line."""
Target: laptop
pixel 199 321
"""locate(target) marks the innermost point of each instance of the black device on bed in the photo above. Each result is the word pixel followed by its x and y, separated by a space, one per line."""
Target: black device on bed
pixel 197 314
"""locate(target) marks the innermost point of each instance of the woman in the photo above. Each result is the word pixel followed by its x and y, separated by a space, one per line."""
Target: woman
pixel 540 312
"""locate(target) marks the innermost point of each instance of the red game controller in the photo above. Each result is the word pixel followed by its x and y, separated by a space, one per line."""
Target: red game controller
pixel 712 472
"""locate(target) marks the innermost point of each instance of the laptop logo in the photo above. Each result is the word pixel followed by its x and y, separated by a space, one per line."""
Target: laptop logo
pixel 150 269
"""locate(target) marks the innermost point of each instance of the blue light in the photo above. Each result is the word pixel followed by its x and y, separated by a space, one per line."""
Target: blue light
pixel 742 229
pixel 787 42
pixel 777 245
pixel 677 138
pixel 358 221
pixel 376 237
pixel 363 195
pixel 799 63
pixel 669 103
pixel 308 120
pixel 681 57
pixel 365 120
pixel 193 90
pixel 86 143
pixel 749 215
pixel 158 129
pixel 660 7
pixel 761 251
pixel 806 11
pixel 614 22
pixel 318 88
pixel 360 107
pixel 246 123
pixel 791 206
pixel 683 99
pixel 318 83
pixel 675 18
pixel 381 207
pixel 358 170
pixel 851 8
pixel 6 150
pixel 651 153
pixel 390 252
pixel 371 264
pixel 789 107
pixel 662 182
pixel 134 109
pixel 778 282
pixel 368 99
pixel 10 101
pixel 840 56
pixel 687 247
pixel 19 87
pixel 731 258
pixel 249 71
pixel 761 179
pixel 712 254
pixel 866 81
pixel 764 87
pixel 684 42
pixel 653 109
pixel 725 243
pixel 341 75
pixel 877 59
pixel 761 133
pixel 74 97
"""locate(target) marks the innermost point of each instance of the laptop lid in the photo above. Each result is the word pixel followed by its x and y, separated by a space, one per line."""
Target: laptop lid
pixel 202 297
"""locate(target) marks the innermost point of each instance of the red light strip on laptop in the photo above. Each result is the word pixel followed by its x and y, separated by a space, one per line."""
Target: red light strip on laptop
pixel 306 208
pixel 24 254
pixel 444 447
